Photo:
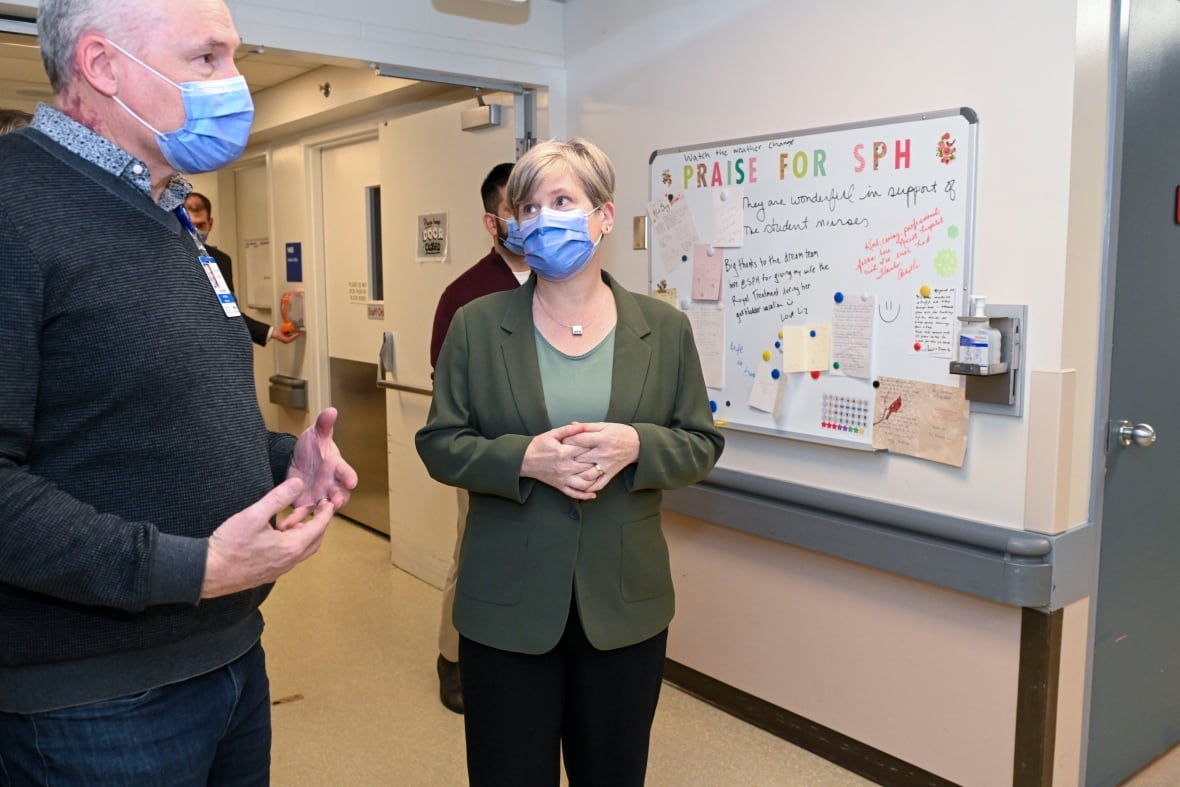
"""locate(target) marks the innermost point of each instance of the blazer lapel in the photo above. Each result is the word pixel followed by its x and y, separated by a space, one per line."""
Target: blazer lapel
pixel 519 349
pixel 632 356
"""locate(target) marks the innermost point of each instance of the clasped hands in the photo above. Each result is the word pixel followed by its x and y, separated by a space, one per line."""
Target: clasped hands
pixel 580 459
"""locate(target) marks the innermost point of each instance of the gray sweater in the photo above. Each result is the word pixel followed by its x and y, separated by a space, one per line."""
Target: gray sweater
pixel 129 430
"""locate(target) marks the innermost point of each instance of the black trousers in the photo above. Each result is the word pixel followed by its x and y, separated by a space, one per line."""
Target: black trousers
pixel 522 712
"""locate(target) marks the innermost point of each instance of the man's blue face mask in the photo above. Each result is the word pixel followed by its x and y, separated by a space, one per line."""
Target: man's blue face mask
pixel 513 241
pixel 218 114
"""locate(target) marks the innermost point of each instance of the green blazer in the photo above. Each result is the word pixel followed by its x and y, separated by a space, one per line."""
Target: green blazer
pixel 526 546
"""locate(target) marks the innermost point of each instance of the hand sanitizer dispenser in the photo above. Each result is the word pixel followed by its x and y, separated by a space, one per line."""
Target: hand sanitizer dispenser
pixel 988 356
pixel 979 342
pixel 291 310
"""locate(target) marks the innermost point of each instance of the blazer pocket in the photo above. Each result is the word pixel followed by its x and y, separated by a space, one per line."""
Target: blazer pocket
pixel 491 562
pixel 645 570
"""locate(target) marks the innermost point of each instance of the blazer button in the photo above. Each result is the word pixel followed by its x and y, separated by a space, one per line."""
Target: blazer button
pixel 573 514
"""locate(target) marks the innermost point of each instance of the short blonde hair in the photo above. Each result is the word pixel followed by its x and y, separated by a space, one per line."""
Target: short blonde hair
pixel 12 119
pixel 578 157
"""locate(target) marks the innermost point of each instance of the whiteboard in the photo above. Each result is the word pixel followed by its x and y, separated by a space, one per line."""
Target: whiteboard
pixel 851 240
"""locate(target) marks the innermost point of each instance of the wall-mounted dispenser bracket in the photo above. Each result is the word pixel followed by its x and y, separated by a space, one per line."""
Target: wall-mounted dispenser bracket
pixel 288 391
pixel 1000 393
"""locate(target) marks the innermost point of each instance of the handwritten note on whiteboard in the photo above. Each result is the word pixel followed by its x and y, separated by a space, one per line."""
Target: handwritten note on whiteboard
pixel 708 331
pixel 807 348
pixel 935 322
pixel 925 420
pixel 728 224
pixel 674 229
pixel 706 273
pixel 852 336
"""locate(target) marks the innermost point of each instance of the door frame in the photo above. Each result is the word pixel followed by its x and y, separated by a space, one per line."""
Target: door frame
pixel 528 119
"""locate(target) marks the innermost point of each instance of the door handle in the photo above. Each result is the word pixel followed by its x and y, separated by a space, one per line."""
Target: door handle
pixel 385 362
pixel 1142 435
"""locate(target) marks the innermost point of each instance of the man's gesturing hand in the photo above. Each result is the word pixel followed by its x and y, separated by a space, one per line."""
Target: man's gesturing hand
pixel 317 462
pixel 245 551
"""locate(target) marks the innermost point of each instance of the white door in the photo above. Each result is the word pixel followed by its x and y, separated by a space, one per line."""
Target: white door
pixel 436 168
pixel 351 226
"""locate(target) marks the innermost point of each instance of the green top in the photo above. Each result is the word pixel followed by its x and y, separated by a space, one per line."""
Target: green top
pixel 577 387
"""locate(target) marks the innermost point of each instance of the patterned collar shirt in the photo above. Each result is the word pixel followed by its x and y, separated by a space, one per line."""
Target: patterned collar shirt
pixel 103 153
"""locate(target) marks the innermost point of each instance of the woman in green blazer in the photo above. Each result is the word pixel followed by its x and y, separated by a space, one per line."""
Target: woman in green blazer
pixel 565 407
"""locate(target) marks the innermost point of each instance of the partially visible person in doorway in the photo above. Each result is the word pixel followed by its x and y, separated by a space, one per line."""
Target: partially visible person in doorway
pixel 565 407
pixel 200 212
pixel 12 119
pixel 145 509
pixel 503 268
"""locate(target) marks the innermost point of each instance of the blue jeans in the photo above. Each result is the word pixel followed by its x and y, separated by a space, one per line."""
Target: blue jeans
pixel 210 730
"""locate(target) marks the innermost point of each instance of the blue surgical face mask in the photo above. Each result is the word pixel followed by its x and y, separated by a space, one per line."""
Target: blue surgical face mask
pixel 557 243
pixel 218 114
pixel 514 241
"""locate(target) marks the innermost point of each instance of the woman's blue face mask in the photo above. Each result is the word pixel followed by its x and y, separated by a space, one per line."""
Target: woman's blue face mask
pixel 557 243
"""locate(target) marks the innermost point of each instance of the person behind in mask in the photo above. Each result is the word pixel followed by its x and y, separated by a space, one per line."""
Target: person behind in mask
pixel 503 268
pixel 143 503
pixel 200 213
pixel 565 407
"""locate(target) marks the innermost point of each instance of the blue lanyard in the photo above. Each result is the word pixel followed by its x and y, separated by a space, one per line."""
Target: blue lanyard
pixel 187 223
pixel 220 289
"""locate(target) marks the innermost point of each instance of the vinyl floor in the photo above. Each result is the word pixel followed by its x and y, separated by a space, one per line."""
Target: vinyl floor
pixel 351 645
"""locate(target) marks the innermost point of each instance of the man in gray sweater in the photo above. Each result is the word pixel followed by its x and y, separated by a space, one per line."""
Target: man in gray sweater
pixel 143 503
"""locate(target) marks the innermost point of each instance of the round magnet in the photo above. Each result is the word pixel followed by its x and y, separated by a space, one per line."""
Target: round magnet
pixel 924 290
pixel 766 355
pixel 839 297
pixel 775 374
pixel 815 375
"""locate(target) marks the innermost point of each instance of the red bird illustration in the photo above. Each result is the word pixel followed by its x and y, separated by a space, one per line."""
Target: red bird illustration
pixel 891 409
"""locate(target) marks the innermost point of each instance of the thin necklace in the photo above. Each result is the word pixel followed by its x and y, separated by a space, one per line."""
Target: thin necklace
pixel 576 329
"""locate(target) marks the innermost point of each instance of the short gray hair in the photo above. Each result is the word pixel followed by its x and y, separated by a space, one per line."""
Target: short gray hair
pixel 60 23
pixel 579 157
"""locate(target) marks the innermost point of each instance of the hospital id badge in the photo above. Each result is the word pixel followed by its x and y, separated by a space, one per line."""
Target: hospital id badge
pixel 220 289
